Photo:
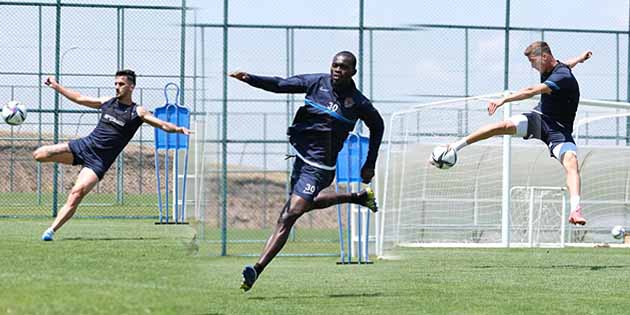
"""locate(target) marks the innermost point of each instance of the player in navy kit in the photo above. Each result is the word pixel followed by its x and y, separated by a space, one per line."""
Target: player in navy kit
pixel 120 119
pixel 551 121
pixel 331 109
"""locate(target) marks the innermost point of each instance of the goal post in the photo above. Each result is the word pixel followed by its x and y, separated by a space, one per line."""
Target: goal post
pixel 537 216
pixel 469 204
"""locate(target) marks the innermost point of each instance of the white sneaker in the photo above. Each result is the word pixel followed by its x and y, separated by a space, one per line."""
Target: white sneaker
pixel 48 235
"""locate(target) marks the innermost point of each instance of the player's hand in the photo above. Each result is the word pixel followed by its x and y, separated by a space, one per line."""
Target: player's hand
pixel 185 131
pixel 586 55
pixel 240 75
pixel 50 81
pixel 493 105
pixel 367 174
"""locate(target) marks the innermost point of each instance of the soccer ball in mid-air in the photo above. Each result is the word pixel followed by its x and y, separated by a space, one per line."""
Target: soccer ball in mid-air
pixel 14 113
pixel 618 231
pixel 443 157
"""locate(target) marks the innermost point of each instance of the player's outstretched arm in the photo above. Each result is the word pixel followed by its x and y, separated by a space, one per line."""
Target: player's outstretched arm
pixel 74 95
pixel 294 84
pixel 147 117
pixel 579 59
pixel 523 94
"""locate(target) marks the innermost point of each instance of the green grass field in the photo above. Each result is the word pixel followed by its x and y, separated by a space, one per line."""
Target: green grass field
pixel 135 267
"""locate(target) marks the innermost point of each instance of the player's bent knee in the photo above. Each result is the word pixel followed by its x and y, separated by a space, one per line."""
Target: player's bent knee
pixel 507 127
pixel 39 154
pixel 569 160
pixel 291 215
pixel 79 192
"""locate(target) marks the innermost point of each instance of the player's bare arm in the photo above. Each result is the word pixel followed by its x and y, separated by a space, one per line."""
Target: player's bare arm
pixel 147 117
pixel 523 94
pixel 75 96
pixel 579 59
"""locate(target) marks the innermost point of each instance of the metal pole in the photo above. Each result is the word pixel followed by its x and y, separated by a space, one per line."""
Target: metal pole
pixel 194 109
pixel 56 111
pixel 289 111
pixel 361 26
pixel 182 56
pixel 361 30
pixel 505 206
pixel 265 183
pixel 628 83
pixel 12 158
pixel 506 60
pixel 141 159
pixel 617 120
pixel 224 175
pixel 120 65
pixel 39 115
pixel 466 79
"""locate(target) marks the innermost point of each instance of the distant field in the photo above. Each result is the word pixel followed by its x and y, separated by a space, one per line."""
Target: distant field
pixel 136 267
pixel 32 204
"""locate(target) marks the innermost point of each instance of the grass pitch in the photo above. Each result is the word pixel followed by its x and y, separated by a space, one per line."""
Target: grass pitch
pixel 135 267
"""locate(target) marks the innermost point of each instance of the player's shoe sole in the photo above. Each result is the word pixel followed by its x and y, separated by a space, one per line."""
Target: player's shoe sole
pixel 371 200
pixel 577 218
pixel 249 277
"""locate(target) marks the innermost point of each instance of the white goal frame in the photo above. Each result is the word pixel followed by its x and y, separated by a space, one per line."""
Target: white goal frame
pixel 506 170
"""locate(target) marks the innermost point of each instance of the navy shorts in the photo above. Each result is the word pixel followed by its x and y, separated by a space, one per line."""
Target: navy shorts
pixel 307 180
pixel 84 155
pixel 550 132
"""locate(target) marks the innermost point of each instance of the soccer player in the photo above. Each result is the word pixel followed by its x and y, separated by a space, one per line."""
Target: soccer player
pixel 331 108
pixel 551 121
pixel 120 119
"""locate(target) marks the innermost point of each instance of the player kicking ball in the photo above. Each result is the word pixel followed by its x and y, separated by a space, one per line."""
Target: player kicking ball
pixel 551 121
pixel 331 109
pixel 119 121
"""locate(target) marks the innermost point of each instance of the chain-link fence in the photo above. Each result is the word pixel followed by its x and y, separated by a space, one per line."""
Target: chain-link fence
pixel 407 54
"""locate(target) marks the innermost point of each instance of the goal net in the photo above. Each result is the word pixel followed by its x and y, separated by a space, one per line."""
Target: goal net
pixel 469 204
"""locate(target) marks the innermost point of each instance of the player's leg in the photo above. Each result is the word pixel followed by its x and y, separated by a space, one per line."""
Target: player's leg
pixel 365 198
pixel 566 154
pixel 86 180
pixel 516 125
pixel 54 153
pixel 306 183
pixel 295 207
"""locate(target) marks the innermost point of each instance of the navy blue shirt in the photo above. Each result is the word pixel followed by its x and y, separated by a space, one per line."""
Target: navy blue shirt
pixel 116 127
pixel 322 124
pixel 562 103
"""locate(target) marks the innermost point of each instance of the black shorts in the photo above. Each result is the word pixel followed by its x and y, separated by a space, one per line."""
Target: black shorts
pixel 84 155
pixel 308 181
pixel 548 131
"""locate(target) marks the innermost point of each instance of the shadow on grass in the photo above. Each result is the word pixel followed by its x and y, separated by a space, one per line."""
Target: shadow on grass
pixel 594 268
pixel 332 296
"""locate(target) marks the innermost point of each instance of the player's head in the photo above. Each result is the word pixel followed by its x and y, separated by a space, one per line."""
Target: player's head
pixel 125 82
pixel 343 67
pixel 540 56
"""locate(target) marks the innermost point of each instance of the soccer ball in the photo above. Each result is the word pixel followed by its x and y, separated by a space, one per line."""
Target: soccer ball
pixel 618 231
pixel 14 113
pixel 443 157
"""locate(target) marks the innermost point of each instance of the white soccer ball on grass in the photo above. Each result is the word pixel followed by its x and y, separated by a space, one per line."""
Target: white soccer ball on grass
pixel 618 231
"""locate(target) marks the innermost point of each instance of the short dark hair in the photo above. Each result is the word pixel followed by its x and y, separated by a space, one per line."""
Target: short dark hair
pixel 350 56
pixel 129 74
pixel 537 48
